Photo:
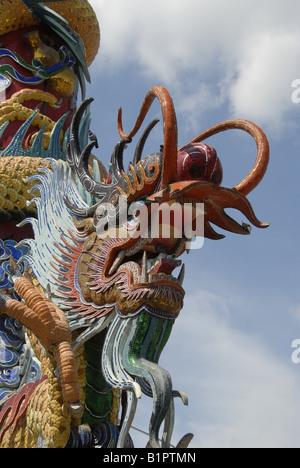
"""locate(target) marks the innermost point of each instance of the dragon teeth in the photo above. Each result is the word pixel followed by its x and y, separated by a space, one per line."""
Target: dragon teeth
pixel 181 275
pixel 144 274
pixel 117 262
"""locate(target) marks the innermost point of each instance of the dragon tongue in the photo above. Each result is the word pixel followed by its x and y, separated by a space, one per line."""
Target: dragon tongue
pixel 166 265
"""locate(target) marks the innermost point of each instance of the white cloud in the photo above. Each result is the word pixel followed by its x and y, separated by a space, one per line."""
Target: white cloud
pixel 263 87
pixel 240 394
pixel 244 52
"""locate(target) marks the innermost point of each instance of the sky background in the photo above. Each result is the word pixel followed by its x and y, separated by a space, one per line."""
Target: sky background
pixel 230 350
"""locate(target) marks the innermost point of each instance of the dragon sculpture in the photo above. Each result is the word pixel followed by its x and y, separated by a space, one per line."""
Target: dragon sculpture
pixel 88 293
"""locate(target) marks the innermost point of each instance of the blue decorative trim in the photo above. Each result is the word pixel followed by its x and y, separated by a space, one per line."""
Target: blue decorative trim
pixel 40 73
pixel 8 249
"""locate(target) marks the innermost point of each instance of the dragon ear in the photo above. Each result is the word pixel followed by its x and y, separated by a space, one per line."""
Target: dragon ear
pixel 79 161
pixel 85 227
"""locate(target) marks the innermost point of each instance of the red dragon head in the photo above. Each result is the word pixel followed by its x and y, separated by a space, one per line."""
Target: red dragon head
pixel 138 267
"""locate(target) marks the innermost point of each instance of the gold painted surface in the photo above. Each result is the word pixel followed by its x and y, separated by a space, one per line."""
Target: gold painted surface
pixel 79 13
pixel 13 189
pixel 63 83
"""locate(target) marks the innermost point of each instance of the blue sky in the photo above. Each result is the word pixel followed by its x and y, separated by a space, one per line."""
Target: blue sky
pixel 231 347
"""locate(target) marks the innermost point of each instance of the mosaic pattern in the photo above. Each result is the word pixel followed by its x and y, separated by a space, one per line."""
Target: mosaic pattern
pixel 40 73
pixel 18 364
pixel 8 249
pixel 86 310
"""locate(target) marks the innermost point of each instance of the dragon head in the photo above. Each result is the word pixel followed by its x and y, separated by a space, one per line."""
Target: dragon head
pixel 134 235
pixel 145 218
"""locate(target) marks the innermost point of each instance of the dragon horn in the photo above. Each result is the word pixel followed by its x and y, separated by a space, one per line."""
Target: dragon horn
pixel 169 164
pixel 140 146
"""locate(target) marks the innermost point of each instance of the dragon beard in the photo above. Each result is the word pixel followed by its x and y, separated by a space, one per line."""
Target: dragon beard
pixel 145 315
pixel 92 292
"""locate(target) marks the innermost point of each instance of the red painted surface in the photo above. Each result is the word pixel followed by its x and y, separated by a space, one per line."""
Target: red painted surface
pixel 198 161
pixel 9 230
pixel 15 42
pixel 16 407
